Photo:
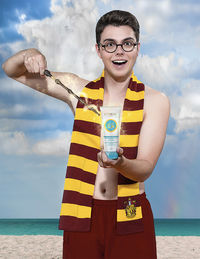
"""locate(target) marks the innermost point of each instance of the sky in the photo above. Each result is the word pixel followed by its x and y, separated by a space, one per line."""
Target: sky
pixel 35 129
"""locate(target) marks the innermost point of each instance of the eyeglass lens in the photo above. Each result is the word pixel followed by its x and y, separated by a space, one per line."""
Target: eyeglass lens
pixel 126 46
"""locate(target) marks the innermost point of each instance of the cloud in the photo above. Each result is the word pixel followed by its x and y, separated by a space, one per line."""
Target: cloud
pixel 174 76
pixel 48 108
pixel 16 110
pixel 19 102
pixel 11 86
pixel 21 16
pixel 17 143
pixel 105 1
pixel 161 72
pixel 8 49
pixel 58 146
pixel 71 47
pixel 186 110
pixel 33 126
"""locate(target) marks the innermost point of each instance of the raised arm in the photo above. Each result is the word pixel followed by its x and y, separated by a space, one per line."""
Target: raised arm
pixel 27 67
pixel 151 140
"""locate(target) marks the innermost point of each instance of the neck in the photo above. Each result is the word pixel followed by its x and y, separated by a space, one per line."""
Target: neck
pixel 114 90
pixel 115 85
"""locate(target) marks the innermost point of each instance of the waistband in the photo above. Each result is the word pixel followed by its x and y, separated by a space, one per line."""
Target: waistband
pixel 98 202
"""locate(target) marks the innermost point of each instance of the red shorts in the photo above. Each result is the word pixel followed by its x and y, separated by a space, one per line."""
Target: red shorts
pixel 102 242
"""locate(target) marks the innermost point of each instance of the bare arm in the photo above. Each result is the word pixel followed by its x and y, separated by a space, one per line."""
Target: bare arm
pixel 151 140
pixel 27 67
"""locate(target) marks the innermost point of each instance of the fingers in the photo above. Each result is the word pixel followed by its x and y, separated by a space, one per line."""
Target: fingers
pixel 42 65
pixel 103 160
pixel 35 62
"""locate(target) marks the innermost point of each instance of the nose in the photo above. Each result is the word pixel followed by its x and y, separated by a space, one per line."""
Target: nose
pixel 119 49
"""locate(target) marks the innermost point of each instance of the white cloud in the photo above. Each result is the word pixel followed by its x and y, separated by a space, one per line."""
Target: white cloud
pixel 67 38
pixel 105 1
pixel 161 72
pixel 58 146
pixel 37 103
pixel 11 86
pixel 186 107
pixel 22 17
pixel 185 8
pixel 17 143
pixel 14 143
pixel 41 125
pixel 173 75
pixel 18 110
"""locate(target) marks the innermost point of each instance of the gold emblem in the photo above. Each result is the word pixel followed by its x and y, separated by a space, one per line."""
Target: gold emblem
pixel 130 208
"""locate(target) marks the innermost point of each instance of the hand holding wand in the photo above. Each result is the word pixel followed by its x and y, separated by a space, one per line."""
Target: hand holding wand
pixel 57 81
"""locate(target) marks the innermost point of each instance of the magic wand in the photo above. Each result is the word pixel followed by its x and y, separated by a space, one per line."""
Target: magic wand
pixel 57 81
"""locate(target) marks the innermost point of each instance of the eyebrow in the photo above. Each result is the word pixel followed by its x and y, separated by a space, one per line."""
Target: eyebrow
pixel 129 38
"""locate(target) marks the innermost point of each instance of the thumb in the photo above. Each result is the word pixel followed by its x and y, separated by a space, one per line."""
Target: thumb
pixel 120 151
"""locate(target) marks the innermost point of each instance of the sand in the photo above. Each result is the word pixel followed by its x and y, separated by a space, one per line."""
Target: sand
pixel 50 247
pixel 178 247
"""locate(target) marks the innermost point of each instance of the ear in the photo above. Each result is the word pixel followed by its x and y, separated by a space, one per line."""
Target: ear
pixel 138 48
pixel 98 50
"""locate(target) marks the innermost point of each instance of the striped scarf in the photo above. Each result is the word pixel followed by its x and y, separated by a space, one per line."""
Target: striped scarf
pixel 82 165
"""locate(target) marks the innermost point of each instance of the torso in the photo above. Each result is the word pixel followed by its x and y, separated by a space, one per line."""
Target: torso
pixel 106 184
pixel 107 178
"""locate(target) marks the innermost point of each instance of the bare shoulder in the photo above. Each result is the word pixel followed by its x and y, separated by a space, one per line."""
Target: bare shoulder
pixel 154 99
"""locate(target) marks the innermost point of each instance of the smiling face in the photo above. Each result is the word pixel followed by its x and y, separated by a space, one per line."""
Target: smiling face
pixel 119 64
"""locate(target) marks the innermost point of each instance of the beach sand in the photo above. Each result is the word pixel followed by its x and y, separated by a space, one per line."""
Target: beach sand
pixel 50 247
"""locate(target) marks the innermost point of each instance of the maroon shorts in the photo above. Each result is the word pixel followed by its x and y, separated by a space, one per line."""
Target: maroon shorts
pixel 102 242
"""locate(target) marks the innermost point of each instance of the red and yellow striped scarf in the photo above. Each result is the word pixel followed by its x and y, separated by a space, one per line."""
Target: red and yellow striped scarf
pixel 82 163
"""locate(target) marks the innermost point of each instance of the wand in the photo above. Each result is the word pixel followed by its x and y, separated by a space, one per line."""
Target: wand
pixel 57 81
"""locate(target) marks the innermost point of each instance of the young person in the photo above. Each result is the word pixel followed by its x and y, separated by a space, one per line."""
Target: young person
pixel 105 212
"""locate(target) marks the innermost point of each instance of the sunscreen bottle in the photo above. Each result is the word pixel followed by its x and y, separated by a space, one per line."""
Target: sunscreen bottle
pixel 111 116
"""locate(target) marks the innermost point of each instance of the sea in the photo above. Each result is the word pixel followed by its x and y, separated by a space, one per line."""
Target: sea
pixel 163 227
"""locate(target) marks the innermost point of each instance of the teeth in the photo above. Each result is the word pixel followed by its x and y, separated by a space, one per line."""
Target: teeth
pixel 119 61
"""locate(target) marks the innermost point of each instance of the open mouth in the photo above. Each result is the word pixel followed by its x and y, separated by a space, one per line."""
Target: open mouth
pixel 119 62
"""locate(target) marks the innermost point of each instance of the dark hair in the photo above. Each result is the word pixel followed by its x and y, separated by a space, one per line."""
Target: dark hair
pixel 117 18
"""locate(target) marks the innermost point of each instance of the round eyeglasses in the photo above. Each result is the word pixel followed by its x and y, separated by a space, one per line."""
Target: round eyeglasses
pixel 111 47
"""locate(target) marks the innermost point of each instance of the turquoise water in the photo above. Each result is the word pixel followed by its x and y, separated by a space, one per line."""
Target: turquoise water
pixel 163 227
pixel 20 227
pixel 177 227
